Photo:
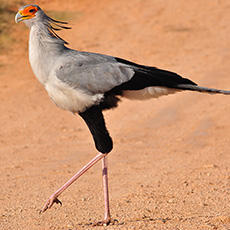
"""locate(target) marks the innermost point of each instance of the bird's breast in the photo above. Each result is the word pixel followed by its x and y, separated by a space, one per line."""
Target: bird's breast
pixel 71 99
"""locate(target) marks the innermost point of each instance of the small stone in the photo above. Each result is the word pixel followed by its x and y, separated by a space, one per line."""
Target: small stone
pixel 170 201
pixel 210 166
pixel 69 226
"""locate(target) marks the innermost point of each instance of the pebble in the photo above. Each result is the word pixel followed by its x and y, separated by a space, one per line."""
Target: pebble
pixel 170 201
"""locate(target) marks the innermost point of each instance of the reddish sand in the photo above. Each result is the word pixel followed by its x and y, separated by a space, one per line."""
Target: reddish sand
pixel 170 167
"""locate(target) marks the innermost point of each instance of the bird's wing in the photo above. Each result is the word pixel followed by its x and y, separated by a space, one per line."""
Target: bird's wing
pixel 92 72
pixel 97 73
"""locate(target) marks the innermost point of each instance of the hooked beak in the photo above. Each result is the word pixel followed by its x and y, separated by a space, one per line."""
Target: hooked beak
pixel 20 16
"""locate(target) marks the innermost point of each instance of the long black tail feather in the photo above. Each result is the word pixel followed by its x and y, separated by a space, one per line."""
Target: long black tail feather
pixel 201 89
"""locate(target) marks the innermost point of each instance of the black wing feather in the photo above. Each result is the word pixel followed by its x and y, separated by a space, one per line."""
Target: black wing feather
pixel 146 76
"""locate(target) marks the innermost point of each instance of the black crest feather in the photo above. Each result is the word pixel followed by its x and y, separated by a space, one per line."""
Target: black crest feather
pixel 56 25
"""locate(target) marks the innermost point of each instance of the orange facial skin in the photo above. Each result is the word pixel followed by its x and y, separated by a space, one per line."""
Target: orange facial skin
pixel 29 12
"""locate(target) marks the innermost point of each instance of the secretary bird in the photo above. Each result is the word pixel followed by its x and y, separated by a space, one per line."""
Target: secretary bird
pixel 87 83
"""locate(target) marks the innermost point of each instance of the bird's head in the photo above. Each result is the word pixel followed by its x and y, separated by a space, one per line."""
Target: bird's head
pixel 33 14
pixel 29 14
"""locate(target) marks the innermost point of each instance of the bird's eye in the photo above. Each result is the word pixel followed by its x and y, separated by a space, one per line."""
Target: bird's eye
pixel 31 10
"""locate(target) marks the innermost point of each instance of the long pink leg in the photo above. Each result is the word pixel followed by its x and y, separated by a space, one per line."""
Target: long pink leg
pixel 108 218
pixel 105 186
pixel 54 198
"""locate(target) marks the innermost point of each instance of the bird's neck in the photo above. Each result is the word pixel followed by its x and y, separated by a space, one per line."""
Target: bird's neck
pixel 44 50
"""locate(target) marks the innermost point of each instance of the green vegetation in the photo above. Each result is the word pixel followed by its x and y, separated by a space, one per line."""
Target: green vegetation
pixel 171 28
pixel 6 15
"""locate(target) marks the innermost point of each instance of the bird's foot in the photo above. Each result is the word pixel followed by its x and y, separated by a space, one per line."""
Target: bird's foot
pixel 49 203
pixel 105 222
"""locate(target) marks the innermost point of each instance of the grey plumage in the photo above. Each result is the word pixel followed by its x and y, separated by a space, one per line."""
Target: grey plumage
pixel 95 73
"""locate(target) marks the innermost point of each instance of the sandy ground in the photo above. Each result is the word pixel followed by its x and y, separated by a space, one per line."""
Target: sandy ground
pixel 170 165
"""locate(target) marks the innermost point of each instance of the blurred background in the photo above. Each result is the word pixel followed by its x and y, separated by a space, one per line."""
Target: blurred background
pixel 170 165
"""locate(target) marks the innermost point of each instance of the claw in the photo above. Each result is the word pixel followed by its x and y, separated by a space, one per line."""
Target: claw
pixel 49 203
pixel 57 201
pixel 105 222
